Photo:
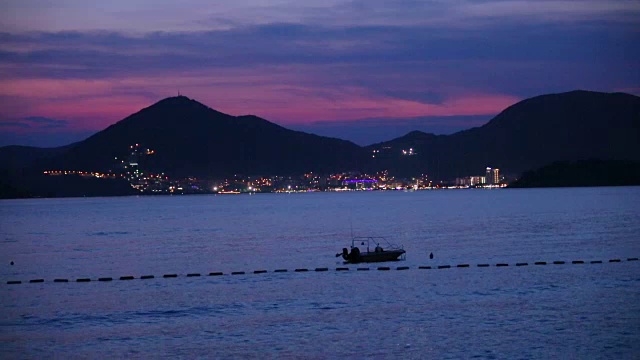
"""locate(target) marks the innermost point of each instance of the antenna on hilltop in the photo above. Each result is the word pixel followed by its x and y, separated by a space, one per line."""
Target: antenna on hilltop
pixel 179 93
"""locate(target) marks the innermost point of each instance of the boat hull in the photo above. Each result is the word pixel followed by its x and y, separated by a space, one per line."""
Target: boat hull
pixel 371 257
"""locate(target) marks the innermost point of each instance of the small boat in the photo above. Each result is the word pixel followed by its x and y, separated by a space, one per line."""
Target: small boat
pixel 379 253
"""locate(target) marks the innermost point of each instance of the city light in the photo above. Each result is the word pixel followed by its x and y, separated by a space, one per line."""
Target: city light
pixel 133 168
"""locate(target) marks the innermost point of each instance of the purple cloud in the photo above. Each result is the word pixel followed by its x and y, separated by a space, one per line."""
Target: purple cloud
pixel 294 62
pixel 35 122
pixel 197 15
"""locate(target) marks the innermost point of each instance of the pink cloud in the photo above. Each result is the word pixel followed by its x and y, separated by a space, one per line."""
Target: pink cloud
pixel 356 103
pixel 279 97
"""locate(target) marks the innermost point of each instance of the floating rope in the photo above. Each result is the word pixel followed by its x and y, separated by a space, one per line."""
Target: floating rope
pixel 322 269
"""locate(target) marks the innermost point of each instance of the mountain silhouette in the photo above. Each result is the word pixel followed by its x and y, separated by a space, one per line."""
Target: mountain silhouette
pixel 535 132
pixel 193 140
pixel 582 173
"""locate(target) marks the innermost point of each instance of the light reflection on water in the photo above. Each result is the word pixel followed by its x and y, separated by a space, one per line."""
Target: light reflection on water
pixel 589 310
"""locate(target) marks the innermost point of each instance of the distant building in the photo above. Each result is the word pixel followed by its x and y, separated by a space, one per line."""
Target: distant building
pixel 471 181
pixel 492 176
pixel 462 181
pixel 496 176
pixel 477 180
pixel 360 184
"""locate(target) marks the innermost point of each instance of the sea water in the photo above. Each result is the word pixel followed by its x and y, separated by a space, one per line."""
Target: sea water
pixel 554 310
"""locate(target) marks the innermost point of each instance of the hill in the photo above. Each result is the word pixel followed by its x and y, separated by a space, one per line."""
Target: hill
pixel 191 139
pixel 582 173
pixel 569 126
pixel 17 157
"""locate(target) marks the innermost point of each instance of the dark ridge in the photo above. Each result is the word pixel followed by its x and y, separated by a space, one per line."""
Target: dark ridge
pixel 571 126
pixel 193 140
pixel 582 173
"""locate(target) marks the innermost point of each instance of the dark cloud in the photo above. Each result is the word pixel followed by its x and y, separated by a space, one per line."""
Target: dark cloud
pixel 41 138
pixel 417 63
pixel 14 124
pixel 39 131
pixel 422 51
pixel 35 122
pixel 105 54
pixel 48 123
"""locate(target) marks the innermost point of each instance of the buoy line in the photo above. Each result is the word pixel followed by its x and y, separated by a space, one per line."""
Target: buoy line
pixel 320 269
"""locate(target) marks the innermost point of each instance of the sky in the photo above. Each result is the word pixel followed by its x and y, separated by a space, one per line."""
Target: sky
pixel 361 70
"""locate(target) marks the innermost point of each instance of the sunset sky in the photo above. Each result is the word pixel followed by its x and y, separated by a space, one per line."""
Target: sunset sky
pixel 363 70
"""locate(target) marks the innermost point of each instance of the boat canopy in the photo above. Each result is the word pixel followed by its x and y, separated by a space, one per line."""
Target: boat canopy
pixel 378 242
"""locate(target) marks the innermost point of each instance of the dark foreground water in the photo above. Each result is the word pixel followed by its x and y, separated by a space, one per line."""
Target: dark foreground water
pixel 535 311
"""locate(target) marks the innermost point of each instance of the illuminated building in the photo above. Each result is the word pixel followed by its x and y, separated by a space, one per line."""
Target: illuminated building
pixel 488 175
pixel 477 180
pixel 496 176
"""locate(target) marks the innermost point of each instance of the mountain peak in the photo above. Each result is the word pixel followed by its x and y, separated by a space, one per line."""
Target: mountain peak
pixel 415 133
pixel 574 95
pixel 176 100
pixel 418 135
pixel 179 106
pixel 576 105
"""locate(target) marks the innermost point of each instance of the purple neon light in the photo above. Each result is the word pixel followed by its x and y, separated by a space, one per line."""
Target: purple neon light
pixel 361 181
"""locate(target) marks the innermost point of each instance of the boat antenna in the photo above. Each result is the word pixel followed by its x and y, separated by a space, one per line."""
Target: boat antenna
pixel 351 219
pixel 351 223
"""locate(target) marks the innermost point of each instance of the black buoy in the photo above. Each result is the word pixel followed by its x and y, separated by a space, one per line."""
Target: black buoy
pixel 12 263
pixel 431 256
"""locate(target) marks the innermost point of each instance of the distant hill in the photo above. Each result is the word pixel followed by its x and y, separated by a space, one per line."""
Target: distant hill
pixel 33 184
pixel 569 126
pixel 193 140
pixel 21 157
pixel 19 178
pixel 582 173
